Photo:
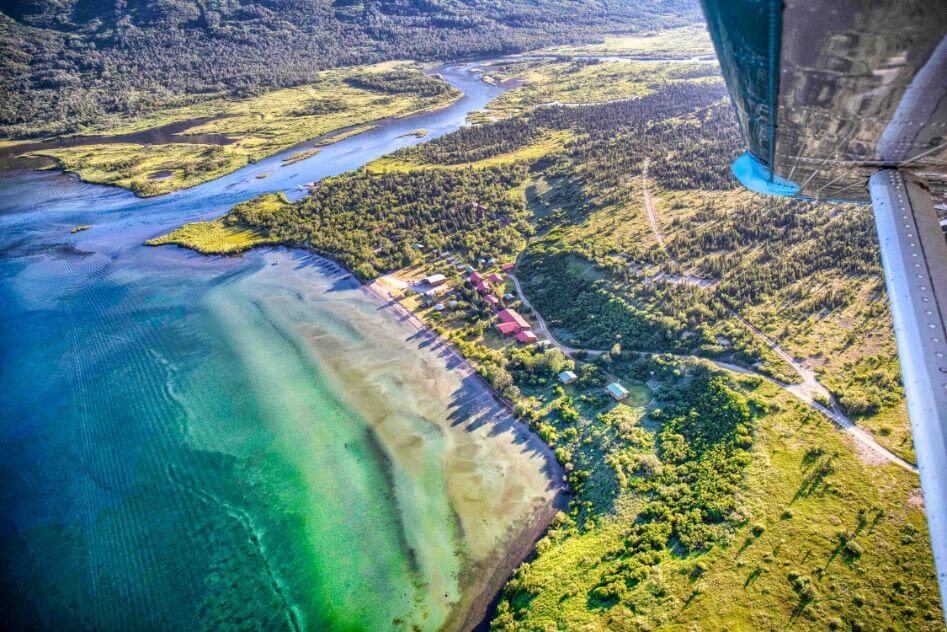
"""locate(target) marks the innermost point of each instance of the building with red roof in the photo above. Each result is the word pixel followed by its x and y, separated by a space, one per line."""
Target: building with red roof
pixel 507 329
pixel 506 267
pixel 491 300
pixel 511 317
pixel 483 287
pixel 526 337
pixel 496 278
pixel 474 278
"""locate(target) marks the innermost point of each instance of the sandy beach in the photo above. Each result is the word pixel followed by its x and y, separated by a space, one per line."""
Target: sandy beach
pixel 479 611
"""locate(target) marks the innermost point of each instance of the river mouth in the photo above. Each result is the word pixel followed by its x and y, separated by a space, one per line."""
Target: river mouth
pixel 241 441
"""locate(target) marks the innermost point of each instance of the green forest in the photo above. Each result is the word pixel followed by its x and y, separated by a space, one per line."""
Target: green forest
pixel 67 64
pixel 375 222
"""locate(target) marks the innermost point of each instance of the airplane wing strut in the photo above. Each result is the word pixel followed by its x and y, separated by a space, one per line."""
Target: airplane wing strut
pixel 914 256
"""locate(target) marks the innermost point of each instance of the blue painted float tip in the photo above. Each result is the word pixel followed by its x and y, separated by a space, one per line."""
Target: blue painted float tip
pixel 757 177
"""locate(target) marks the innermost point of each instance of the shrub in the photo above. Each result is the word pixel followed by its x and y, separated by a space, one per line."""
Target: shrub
pixel 853 550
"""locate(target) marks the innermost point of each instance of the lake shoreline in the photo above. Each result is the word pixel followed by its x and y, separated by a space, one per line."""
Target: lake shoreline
pixel 247 384
pixel 522 548
pixel 475 613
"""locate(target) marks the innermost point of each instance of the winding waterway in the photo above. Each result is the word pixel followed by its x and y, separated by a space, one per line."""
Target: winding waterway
pixel 257 443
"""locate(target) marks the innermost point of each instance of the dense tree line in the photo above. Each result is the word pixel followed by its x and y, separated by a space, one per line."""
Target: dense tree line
pixel 478 142
pixel 400 82
pixel 687 129
pixel 68 63
pixel 378 222
pixel 591 312
pixel 688 475
pixel 802 239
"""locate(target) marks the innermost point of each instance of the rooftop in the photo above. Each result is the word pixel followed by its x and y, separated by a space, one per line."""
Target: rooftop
pixel 434 279
pixel 507 328
pixel 526 336
pixel 512 316
pixel 617 391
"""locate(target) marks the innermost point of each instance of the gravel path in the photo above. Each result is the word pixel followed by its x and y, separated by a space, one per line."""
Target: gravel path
pixel 806 391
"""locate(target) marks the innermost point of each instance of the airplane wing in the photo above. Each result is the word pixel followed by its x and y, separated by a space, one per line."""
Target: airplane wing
pixel 847 100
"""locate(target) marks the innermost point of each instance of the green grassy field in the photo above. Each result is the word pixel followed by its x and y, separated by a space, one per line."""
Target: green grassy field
pixel 585 82
pixel 819 540
pixel 219 237
pixel 262 126
pixel 210 238
pixel 677 43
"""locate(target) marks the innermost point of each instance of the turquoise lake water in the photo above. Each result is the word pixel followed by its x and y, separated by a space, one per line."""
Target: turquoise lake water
pixel 239 443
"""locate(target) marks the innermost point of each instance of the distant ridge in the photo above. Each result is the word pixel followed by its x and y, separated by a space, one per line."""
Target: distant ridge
pixel 66 64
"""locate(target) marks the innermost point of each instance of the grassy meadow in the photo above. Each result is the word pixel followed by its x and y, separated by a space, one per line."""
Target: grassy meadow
pixel 260 126
pixel 819 539
pixel 588 81
pixel 219 237
pixel 210 238
pixel 675 43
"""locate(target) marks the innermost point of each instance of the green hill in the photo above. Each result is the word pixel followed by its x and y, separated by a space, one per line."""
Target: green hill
pixel 67 64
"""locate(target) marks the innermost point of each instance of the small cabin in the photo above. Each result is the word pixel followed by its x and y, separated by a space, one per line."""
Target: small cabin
pixel 507 328
pixel 617 391
pixel 515 322
pixel 526 337
pixel 568 377
pixel 434 280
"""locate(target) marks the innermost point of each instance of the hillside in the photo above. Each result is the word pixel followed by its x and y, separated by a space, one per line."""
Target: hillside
pixel 68 64
pixel 676 276
pixel 712 495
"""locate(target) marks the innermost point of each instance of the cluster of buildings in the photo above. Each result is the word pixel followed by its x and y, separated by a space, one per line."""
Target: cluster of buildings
pixel 509 322
pixel 432 288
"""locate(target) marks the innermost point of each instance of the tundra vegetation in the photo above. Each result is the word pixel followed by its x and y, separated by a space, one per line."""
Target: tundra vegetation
pixel 708 497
